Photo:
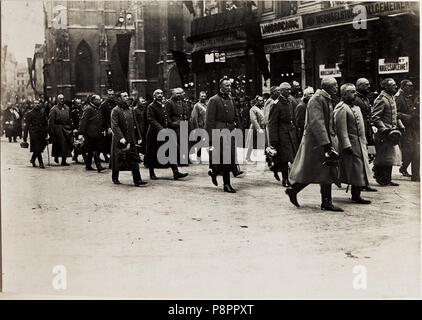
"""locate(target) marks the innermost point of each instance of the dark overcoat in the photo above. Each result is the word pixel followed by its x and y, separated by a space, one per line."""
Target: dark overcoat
pixel 384 117
pixel 300 113
pixel 37 127
pixel 350 129
pixel 407 114
pixel 365 107
pixel 308 166
pixel 91 125
pixel 106 108
pixel 221 115
pixel 141 122
pixel 9 123
pixel 282 131
pixel 158 119
pixel 122 126
pixel 59 126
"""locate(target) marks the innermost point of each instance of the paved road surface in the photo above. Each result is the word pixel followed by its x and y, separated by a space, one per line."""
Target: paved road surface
pixel 188 239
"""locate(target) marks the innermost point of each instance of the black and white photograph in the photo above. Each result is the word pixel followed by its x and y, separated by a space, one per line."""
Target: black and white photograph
pixel 210 150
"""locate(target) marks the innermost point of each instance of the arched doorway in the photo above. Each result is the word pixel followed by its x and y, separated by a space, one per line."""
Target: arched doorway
pixel 118 79
pixel 84 68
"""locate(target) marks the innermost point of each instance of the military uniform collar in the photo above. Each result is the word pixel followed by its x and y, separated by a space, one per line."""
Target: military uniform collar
pixel 386 94
pixel 323 93
pixel 223 95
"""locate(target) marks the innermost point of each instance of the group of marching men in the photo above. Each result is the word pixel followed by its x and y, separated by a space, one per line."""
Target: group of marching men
pixel 313 139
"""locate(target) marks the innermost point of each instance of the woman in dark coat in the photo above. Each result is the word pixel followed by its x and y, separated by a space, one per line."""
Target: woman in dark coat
pixel 36 122
pixel 221 115
pixel 124 156
pixel 59 125
pixel 158 119
pixel 283 134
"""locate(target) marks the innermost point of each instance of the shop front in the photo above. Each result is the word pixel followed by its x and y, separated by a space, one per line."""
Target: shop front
pixel 371 40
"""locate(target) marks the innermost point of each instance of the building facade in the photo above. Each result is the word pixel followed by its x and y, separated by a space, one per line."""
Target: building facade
pixel 23 86
pixel 9 68
pixel 308 40
pixel 84 56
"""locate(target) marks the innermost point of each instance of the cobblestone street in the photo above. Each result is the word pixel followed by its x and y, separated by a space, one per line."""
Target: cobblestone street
pixel 188 239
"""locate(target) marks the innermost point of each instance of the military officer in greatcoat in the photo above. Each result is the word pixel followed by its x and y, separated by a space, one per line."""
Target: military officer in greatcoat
pixel 350 130
pixel 384 118
pixel 158 119
pixel 316 158
pixel 221 115
pixel 90 128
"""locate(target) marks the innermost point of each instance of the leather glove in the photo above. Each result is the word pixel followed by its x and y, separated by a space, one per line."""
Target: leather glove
pixel 327 147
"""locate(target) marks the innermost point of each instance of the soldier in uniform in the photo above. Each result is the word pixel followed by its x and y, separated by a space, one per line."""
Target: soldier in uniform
pixel 106 107
pixel 363 102
pixel 178 112
pixel 300 111
pixel 318 149
pixel 404 101
pixel 350 129
pixel 221 115
pixel 123 156
pixel 140 114
pixel 59 126
pixel 384 117
pixel 158 119
pixel 36 123
pixel 90 127
pixel 75 115
pixel 283 133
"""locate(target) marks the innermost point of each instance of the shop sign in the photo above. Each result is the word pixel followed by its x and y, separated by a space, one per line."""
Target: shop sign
pixel 220 41
pixel 329 72
pixel 215 57
pixel 235 53
pixel 373 9
pixel 285 46
pixel 281 26
pixel 401 66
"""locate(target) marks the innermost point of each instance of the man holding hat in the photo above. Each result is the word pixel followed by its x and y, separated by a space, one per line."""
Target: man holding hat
pixel 384 117
pixel 316 158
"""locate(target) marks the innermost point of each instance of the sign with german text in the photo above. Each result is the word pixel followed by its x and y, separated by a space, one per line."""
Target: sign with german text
pixel 285 46
pixel 400 66
pixel 329 72
pixel 281 26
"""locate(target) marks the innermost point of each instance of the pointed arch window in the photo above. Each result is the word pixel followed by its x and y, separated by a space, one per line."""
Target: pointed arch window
pixel 84 68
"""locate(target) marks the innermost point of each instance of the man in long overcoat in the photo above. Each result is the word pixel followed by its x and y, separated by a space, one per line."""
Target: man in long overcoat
pixel 158 119
pixel 384 117
pixel 90 127
pixel 36 123
pixel 179 114
pixel 318 148
pixel 59 126
pixel 221 115
pixel 283 133
pixel 140 113
pixel 300 111
pixel 405 112
pixel 124 156
pixel 350 129
pixel 108 104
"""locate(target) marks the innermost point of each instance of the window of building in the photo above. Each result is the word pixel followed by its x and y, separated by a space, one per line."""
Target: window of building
pixel 84 68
